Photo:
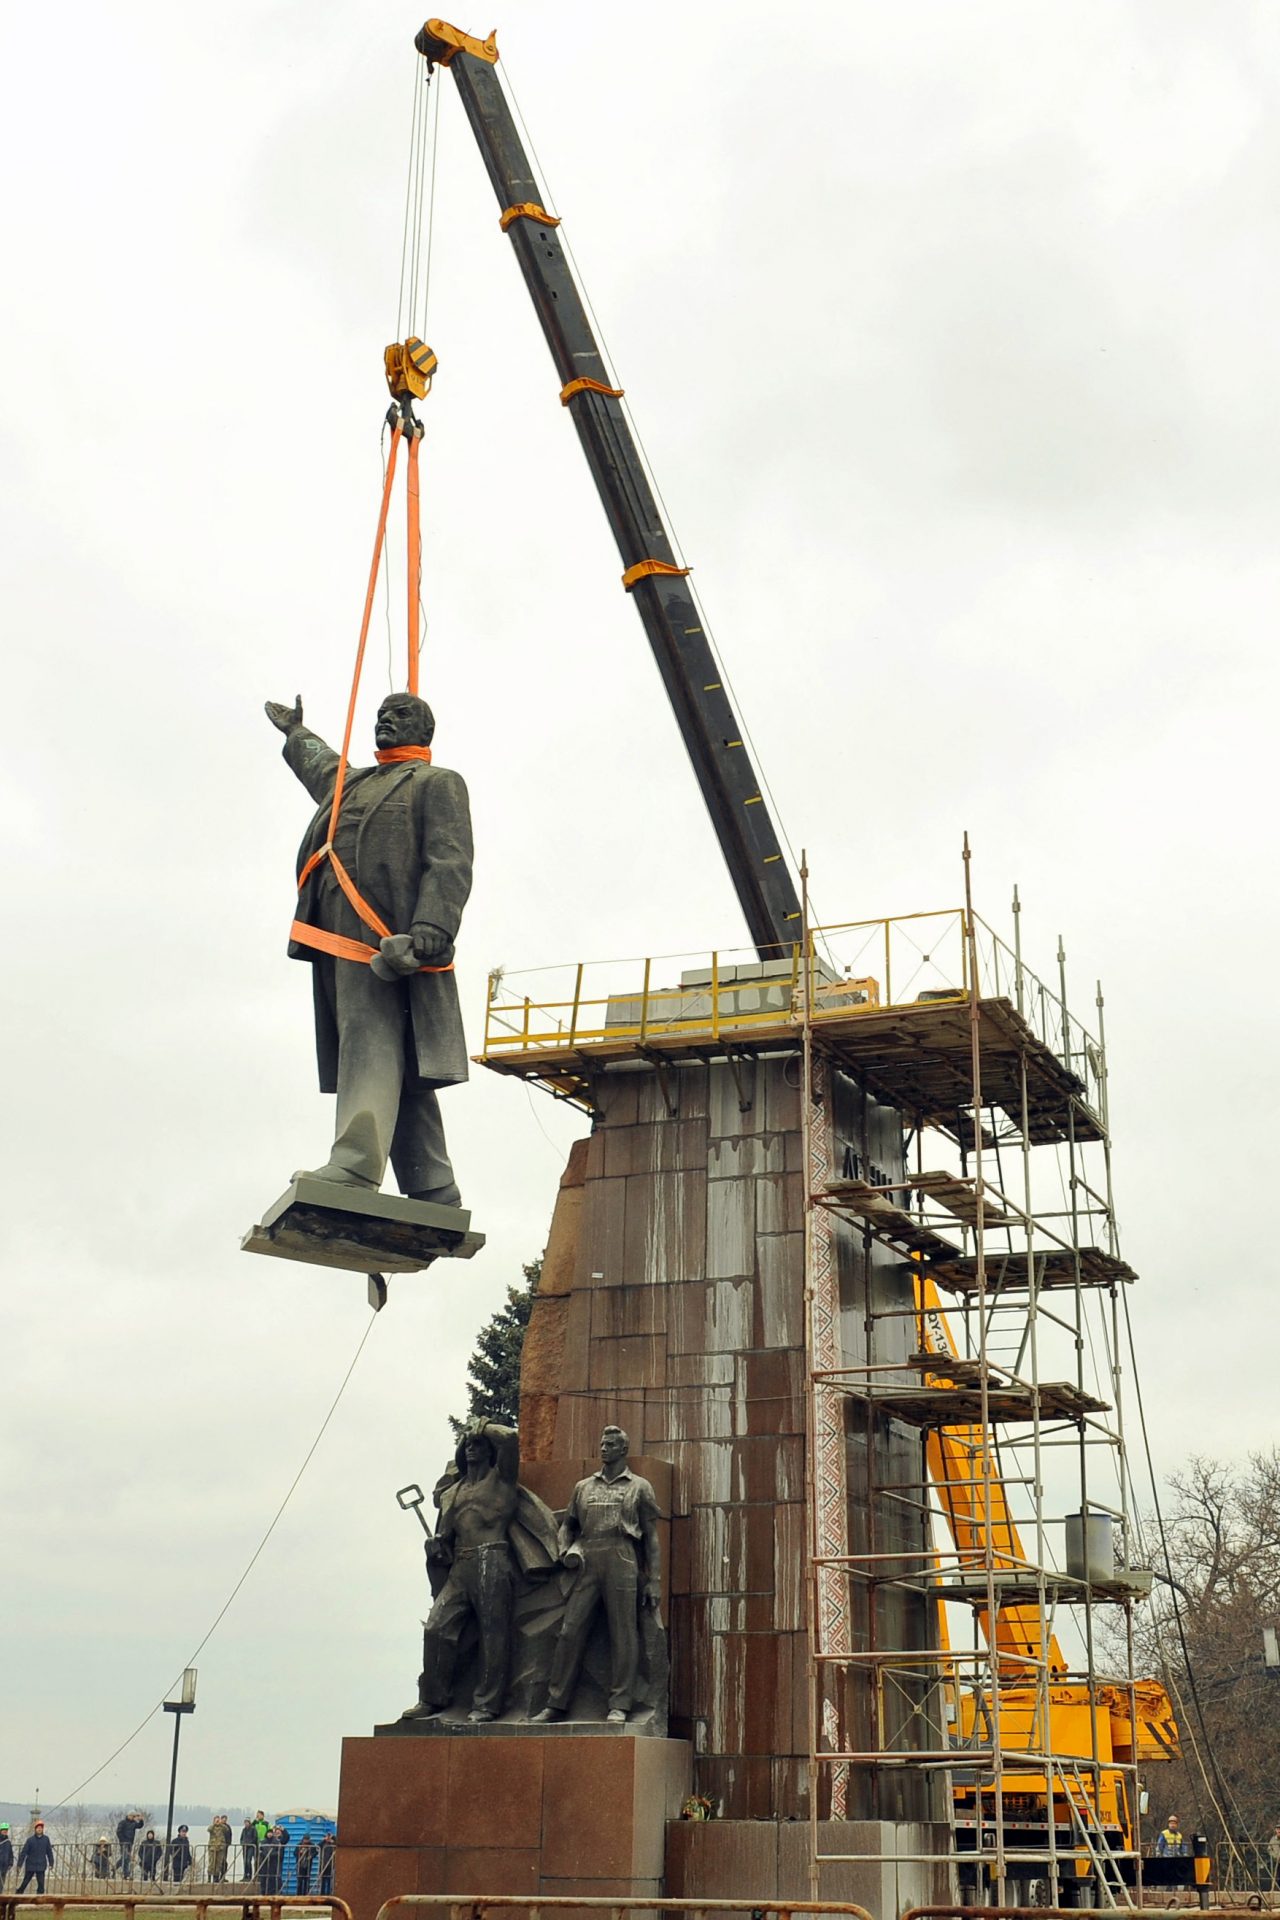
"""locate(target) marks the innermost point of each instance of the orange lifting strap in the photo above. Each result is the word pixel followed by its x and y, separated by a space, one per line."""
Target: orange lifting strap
pixel 336 943
pixel 649 570
pixel 584 385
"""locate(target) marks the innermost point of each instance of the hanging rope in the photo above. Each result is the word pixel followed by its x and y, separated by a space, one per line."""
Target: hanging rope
pixel 341 946
pixel 413 568
pixel 410 366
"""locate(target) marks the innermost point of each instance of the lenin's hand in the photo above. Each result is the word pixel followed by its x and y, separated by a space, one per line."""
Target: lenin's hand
pixel 286 718
pixel 431 945
pixel 395 959
pixel 652 1594
pixel 573 1557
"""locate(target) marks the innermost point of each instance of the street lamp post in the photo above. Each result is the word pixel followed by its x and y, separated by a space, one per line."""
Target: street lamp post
pixel 187 1704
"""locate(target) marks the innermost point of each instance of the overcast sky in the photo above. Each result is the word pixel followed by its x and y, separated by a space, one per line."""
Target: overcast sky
pixel 951 334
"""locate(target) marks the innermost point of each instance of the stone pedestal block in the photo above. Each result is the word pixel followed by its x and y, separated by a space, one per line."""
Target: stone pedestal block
pixel 769 1860
pixel 505 1814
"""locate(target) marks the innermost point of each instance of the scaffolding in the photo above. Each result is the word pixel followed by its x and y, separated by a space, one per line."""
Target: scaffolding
pixel 1036 1752
pixel 997 1714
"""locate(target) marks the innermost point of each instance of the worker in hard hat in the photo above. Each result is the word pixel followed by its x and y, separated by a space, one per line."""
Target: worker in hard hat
pixel 1172 1843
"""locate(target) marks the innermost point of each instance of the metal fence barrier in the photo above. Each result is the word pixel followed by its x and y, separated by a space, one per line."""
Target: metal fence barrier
pixel 250 1906
pixel 532 1906
pixel 75 1870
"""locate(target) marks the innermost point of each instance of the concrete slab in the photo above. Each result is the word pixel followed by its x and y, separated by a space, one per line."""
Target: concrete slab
pixel 360 1231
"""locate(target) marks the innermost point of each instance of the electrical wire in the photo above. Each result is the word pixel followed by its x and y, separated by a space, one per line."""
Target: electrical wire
pixel 226 1605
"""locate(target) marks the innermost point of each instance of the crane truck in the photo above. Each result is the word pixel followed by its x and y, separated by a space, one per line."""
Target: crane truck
pixel 1101 1727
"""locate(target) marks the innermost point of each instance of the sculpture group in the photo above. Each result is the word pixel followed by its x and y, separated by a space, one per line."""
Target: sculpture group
pixel 535 1616
pixel 531 1593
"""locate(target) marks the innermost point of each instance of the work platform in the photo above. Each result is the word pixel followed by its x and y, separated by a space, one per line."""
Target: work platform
pixel 960 1405
pixel 916 1057
pixel 1005 1269
pixel 1015 1588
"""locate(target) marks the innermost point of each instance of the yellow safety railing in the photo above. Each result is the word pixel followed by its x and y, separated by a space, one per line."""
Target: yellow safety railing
pixel 727 991
pixel 853 967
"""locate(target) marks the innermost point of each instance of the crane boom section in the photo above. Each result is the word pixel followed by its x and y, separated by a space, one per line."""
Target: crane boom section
pixel 975 1504
pixel 708 725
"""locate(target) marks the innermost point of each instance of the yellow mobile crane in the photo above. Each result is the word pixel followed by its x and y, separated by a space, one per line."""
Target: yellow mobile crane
pixel 1092 1732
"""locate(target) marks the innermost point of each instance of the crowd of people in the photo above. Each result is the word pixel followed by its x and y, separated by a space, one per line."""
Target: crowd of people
pixel 265 1849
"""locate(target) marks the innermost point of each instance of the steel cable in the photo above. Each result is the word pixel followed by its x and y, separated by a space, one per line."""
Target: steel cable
pixel 226 1605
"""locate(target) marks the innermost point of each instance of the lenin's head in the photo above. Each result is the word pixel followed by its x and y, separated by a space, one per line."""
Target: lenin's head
pixel 404 721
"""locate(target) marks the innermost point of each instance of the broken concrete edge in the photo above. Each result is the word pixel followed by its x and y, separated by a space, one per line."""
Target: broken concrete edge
pixel 358 1231
pixel 642 1727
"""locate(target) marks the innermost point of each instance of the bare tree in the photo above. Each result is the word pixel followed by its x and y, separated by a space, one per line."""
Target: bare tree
pixel 1203 1634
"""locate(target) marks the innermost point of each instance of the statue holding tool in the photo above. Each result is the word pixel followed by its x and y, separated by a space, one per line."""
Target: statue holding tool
pixel 487 1561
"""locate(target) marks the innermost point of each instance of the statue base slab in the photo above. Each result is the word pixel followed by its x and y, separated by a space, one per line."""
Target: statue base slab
pixel 529 1816
pixel 643 1724
pixel 360 1231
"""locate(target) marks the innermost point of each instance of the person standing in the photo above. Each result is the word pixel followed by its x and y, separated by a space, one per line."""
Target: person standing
pixel 327 1846
pixel 1172 1844
pixel 304 1861
pixel 248 1849
pixel 127 1829
pixel 35 1858
pixel 271 1861
pixel 219 1847
pixel 178 1862
pixel 149 1852
pixel 6 1853
pixel 101 1858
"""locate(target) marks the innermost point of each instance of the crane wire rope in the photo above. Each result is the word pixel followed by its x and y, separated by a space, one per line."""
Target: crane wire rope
pixel 411 313
pixel 549 200
pixel 421 329
pixel 225 1608
pixel 408 198
pixel 409 247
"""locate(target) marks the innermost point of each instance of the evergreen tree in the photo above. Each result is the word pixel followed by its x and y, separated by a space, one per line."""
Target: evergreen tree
pixel 493 1383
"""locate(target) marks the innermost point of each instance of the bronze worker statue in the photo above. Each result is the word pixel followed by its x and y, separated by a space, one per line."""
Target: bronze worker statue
pixel 608 1538
pixel 388 1030
pixel 494 1537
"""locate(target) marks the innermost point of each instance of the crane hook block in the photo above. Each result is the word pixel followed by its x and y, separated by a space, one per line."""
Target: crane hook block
pixel 438 42
pixel 410 365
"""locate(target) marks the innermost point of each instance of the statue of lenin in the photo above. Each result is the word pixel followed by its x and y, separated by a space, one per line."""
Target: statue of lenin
pixel 389 1033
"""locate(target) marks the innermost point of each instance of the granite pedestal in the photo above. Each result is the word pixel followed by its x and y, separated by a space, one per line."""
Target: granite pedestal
pixel 500 1813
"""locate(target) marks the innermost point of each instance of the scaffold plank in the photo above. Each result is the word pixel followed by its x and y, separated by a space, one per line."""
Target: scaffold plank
pixel 960 1406
pixel 887 1221
pixel 1055 1268
pixel 959 1197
